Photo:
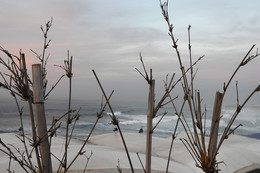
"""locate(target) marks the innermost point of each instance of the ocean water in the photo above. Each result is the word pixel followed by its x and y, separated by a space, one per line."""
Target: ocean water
pixel 131 118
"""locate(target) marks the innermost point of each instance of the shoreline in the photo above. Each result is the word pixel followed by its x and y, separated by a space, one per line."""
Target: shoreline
pixel 252 135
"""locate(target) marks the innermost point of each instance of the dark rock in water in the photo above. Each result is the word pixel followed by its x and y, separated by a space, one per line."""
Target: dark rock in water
pixel 115 129
pixel 141 130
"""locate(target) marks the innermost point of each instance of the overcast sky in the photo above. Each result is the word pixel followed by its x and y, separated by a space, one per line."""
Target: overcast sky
pixel 109 35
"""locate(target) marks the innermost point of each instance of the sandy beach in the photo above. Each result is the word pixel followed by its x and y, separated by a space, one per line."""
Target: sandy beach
pixel 240 154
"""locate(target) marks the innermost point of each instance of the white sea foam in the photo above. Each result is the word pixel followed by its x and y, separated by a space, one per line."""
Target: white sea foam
pixel 131 119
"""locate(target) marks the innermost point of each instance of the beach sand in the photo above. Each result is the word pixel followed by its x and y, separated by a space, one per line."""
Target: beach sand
pixel 240 154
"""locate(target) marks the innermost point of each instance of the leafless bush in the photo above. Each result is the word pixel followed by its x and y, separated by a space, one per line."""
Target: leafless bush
pixel 17 81
pixel 203 153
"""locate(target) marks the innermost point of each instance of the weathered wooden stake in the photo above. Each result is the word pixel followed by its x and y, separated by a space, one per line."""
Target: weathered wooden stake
pixel 149 124
pixel 38 100
pixel 215 125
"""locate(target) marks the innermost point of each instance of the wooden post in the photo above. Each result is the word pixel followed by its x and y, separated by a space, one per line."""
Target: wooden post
pixel 38 100
pixel 215 125
pixel 149 125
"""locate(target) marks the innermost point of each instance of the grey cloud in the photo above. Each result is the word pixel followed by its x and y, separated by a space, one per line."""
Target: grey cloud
pixel 108 37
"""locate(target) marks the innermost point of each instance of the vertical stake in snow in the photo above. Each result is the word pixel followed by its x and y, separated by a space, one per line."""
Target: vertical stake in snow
pixel 215 126
pixel 38 100
pixel 149 123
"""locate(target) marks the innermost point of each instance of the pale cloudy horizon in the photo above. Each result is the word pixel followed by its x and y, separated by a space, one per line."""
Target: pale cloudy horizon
pixel 109 35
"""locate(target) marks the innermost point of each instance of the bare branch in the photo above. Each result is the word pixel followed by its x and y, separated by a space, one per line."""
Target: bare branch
pixel 88 158
pixel 159 121
pixel 114 119
pixel 140 162
pixel 146 77
pixel 53 86
pixel 92 129
pixel 244 61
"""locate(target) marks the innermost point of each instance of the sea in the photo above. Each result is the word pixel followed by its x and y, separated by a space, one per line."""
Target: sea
pixel 132 117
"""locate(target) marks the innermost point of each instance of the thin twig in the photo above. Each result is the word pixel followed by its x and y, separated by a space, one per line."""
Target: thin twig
pixel 115 121
pixel 88 158
pixel 237 93
pixel 158 121
pixel 99 115
pixel 22 132
pixel 53 86
pixel 140 161
pixel 31 115
pixel 239 66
